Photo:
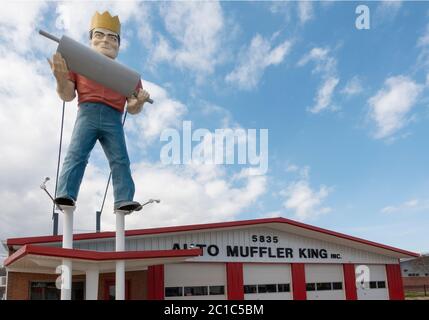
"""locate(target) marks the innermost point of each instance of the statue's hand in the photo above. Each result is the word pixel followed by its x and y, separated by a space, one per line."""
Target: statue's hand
pixel 59 68
pixel 142 96
pixel 134 108
pixel 135 104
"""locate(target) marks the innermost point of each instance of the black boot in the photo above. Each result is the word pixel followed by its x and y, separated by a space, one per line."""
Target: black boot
pixel 130 206
pixel 64 202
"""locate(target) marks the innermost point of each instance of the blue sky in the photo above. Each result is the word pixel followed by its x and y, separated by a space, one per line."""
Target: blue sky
pixel 346 110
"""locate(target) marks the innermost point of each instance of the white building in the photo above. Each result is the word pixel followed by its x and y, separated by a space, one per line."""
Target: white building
pixel 273 258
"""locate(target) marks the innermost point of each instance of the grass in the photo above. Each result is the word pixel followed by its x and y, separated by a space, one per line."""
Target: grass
pixel 416 294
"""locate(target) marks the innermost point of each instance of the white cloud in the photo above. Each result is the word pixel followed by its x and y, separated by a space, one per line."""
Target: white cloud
pixel 305 11
pixel 326 66
pixel 19 22
pixel 199 194
pixel 386 11
pixel 423 45
pixel 391 106
pixel 165 113
pixel 324 95
pixel 292 168
pixel 272 214
pixel 407 207
pixel 324 63
pixel 305 201
pixel 196 29
pixel 353 87
pixel 423 40
pixel 390 5
pixel 303 172
pixel 255 59
pixel 163 51
pixel 226 118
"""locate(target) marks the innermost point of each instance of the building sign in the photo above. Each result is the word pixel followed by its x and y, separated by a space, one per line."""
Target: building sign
pixel 264 247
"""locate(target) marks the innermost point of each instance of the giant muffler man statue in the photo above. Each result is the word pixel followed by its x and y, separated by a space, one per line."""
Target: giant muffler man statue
pixel 99 118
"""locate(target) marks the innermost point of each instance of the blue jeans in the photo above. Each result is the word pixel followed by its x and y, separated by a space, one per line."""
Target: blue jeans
pixel 97 121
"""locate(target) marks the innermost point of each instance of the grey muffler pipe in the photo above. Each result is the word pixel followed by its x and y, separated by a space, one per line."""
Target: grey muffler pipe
pixel 96 66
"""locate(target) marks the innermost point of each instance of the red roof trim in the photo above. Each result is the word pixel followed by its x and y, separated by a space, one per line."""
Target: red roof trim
pixel 97 255
pixel 102 235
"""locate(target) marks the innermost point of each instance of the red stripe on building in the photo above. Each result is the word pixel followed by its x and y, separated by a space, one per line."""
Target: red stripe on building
pixel 350 281
pixel 234 278
pixel 155 282
pixel 394 282
pixel 298 281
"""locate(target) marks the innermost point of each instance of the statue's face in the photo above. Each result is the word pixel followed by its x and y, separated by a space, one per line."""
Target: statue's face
pixel 106 42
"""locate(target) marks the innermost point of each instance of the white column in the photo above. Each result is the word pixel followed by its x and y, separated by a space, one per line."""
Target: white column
pixel 92 284
pixel 66 279
pixel 120 246
pixel 68 226
pixel 120 280
pixel 67 270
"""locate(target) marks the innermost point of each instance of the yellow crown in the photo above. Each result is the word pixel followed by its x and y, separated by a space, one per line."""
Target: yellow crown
pixel 106 21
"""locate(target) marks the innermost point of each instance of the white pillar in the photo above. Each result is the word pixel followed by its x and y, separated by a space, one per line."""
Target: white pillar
pixel 120 280
pixel 67 270
pixel 120 230
pixel 66 279
pixel 120 246
pixel 92 284
pixel 68 226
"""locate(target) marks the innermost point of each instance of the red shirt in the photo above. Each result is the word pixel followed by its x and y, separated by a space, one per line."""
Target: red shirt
pixel 91 91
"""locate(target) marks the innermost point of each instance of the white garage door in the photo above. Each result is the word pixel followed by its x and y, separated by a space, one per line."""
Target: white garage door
pixel 371 282
pixel 267 281
pixel 324 281
pixel 195 281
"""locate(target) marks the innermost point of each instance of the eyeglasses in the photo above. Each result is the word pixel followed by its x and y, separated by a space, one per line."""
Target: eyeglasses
pixel 110 36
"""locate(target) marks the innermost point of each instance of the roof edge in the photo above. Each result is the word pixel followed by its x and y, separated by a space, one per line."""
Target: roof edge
pixel 218 225
pixel 98 255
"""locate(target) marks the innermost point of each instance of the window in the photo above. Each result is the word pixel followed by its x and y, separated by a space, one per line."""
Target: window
pixel 42 290
pixel 337 286
pixel 375 284
pixel 283 287
pixel 250 288
pixel 267 288
pixel 413 274
pixel 173 291
pixel 196 291
pixel 216 290
pixel 311 286
pixel 323 286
